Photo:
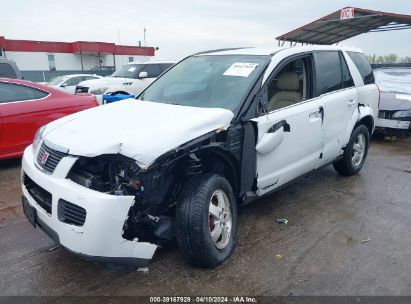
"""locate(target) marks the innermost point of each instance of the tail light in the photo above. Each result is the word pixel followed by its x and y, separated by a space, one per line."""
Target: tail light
pixel 379 96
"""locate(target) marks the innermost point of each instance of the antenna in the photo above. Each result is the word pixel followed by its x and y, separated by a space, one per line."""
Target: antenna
pixel 144 31
pixel 122 58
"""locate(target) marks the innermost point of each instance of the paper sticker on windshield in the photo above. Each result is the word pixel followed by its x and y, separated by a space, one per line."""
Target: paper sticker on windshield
pixel 132 69
pixel 403 96
pixel 242 69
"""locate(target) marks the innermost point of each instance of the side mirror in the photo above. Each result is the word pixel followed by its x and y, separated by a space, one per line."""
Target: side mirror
pixel 143 75
pixel 64 85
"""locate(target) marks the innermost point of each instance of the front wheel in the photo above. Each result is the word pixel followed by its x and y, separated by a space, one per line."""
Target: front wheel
pixel 355 152
pixel 206 220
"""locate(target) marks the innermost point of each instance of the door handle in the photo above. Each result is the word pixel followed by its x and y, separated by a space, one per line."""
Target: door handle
pixel 317 114
pixel 277 126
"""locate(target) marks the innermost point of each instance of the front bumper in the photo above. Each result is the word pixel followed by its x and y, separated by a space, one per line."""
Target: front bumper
pixel 100 237
pixel 392 124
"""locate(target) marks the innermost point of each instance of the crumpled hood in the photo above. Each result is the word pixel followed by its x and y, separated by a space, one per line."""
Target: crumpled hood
pixel 141 130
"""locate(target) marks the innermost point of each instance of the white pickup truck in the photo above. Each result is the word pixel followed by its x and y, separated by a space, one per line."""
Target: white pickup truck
pixel 218 130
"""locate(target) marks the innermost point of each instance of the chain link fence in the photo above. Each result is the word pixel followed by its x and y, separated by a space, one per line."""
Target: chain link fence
pixel 45 76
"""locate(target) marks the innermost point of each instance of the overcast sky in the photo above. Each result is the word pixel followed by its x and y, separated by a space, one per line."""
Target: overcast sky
pixel 182 27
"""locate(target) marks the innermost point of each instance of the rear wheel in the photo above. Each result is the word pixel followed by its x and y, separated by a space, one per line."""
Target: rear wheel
pixel 355 152
pixel 206 218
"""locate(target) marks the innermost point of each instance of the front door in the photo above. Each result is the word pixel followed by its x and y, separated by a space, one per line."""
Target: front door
pixel 290 139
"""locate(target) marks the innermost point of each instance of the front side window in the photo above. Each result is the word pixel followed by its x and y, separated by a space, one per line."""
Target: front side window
pixel 290 85
pixel 363 67
pixel 57 80
pixel 129 71
pixel 10 92
pixel 73 81
pixel 209 81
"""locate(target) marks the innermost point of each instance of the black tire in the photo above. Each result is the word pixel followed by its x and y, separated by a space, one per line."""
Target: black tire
pixel 345 166
pixel 192 221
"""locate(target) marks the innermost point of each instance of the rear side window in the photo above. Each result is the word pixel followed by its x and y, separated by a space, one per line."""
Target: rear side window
pixel 7 71
pixel 10 92
pixel 74 81
pixel 345 72
pixel 363 67
pixel 328 72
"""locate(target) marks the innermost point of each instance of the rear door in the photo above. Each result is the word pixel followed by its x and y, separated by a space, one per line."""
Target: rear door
pixel 290 139
pixel 23 111
pixel 336 90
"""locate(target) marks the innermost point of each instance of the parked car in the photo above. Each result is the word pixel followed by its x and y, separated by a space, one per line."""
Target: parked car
pixel 217 130
pixel 9 69
pixel 68 83
pixel 25 106
pixel 130 80
pixel 394 117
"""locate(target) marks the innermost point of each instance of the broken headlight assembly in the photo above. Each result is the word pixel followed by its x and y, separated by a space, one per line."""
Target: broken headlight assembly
pixel 150 218
pixel 402 114
pixel 111 174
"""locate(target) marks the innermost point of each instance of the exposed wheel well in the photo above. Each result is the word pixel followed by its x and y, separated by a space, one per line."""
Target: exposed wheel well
pixel 367 121
pixel 216 161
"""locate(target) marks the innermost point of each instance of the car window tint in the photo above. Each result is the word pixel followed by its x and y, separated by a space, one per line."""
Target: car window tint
pixel 90 77
pixel 346 76
pixel 7 71
pixel 10 92
pixel 153 70
pixel 328 72
pixel 73 81
pixel 363 67
pixel 165 66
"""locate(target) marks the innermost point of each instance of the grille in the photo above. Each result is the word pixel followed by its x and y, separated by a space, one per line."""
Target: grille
pixel 70 213
pixel 41 196
pixel 49 162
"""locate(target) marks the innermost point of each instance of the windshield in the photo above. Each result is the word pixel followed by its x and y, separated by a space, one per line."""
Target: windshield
pixel 394 80
pixel 57 80
pixel 129 71
pixel 214 81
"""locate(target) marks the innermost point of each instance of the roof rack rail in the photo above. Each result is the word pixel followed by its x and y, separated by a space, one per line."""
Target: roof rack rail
pixel 222 50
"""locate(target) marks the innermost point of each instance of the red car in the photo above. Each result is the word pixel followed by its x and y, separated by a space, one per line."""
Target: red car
pixel 26 106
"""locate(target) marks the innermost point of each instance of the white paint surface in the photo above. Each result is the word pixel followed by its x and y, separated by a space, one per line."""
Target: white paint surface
pixel 141 130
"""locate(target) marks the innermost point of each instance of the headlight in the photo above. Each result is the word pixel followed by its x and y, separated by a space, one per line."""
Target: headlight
pixel 99 91
pixel 38 137
pixel 402 114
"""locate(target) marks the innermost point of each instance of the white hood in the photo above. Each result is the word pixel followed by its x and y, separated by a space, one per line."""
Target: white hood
pixel 141 130
pixel 104 82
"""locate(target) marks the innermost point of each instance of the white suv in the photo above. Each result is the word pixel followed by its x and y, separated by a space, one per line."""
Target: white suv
pixel 131 79
pixel 217 130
